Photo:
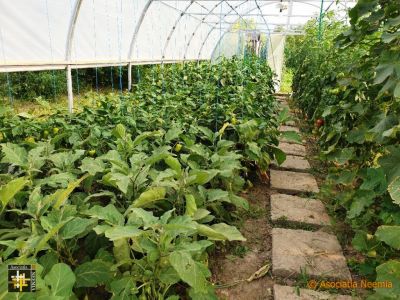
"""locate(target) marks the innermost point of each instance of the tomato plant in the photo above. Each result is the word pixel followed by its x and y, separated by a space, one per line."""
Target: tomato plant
pixel 351 78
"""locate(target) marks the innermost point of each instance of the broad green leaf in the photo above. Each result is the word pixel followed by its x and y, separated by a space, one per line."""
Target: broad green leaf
pixel 342 156
pixel 35 159
pixel 14 154
pixel 329 110
pixel 174 164
pixel 93 273
pixel 396 92
pixel 117 180
pixel 383 71
pixel 8 191
pixel 201 177
pixel 291 136
pixel 212 234
pixel 122 288
pixel 92 166
pixel 390 235
pixel 138 140
pixel 119 131
pixel 108 213
pixel 121 251
pixel 188 270
pixel 191 206
pixel 385 123
pixel 76 227
pixel 168 275
pixel 374 179
pixel 391 163
pixel 217 194
pixel 150 196
pixel 66 160
pixel 207 132
pixel 47 261
pixel 390 272
pixel 60 196
pixel 230 232
pixel 206 294
pixel 239 201
pixel 394 190
pixel 280 156
pixel 61 279
pixel 200 214
pixel 141 217
pixel 57 180
pixel 172 134
pixel 158 154
pixel 361 200
pixel 40 243
pixel 359 241
pixel 181 225
pixel 121 232
pixel 357 135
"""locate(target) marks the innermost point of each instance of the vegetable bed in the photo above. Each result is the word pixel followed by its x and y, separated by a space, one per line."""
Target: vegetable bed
pixel 125 200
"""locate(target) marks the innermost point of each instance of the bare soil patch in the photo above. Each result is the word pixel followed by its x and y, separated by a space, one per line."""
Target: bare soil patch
pixel 240 261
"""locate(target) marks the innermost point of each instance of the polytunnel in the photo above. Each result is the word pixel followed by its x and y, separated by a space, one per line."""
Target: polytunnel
pixel 69 34
pixel 199 149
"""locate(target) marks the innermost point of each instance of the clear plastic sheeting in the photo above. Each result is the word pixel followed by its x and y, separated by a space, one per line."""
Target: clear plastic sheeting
pixel 48 34
pixel 275 55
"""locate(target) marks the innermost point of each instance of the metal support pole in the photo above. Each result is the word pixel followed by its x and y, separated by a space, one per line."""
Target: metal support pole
pixel 321 16
pixel 129 77
pixel 69 88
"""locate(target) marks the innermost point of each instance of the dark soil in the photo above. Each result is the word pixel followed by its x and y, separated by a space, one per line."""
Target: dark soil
pixel 231 267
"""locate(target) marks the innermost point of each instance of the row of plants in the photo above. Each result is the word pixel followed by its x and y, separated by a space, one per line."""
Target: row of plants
pixel 125 199
pixel 52 85
pixel 348 85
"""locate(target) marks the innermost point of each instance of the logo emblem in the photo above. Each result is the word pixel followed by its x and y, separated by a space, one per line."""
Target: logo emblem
pixel 21 278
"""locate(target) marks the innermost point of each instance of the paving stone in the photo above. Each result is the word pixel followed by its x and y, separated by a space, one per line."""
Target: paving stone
pixel 289 128
pixel 285 140
pixel 316 253
pixel 289 293
pixel 284 106
pixel 293 149
pixel 293 182
pixel 293 163
pixel 298 210
pixel 290 123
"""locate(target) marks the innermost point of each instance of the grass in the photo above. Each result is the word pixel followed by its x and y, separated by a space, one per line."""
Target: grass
pixel 286 84
pixel 41 107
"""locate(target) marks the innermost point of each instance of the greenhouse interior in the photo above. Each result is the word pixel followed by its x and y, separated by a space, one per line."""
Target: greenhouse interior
pixel 202 149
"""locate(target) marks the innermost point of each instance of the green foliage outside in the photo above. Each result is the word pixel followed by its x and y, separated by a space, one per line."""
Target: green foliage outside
pixel 351 79
pixel 125 199
pixel 52 85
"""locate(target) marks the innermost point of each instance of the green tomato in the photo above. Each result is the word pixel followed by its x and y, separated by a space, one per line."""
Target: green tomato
pixel 92 152
pixel 56 130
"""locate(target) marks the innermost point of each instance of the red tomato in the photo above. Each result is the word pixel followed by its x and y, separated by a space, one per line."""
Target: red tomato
pixel 320 123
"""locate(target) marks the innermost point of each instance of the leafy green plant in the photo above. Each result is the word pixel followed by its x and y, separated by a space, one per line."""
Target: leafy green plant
pixel 350 81
pixel 124 199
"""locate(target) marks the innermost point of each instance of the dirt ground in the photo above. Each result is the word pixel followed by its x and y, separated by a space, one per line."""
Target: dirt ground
pixel 228 268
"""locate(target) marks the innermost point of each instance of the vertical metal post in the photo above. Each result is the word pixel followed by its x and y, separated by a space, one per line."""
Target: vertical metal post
pixel 321 16
pixel 69 88
pixel 129 76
